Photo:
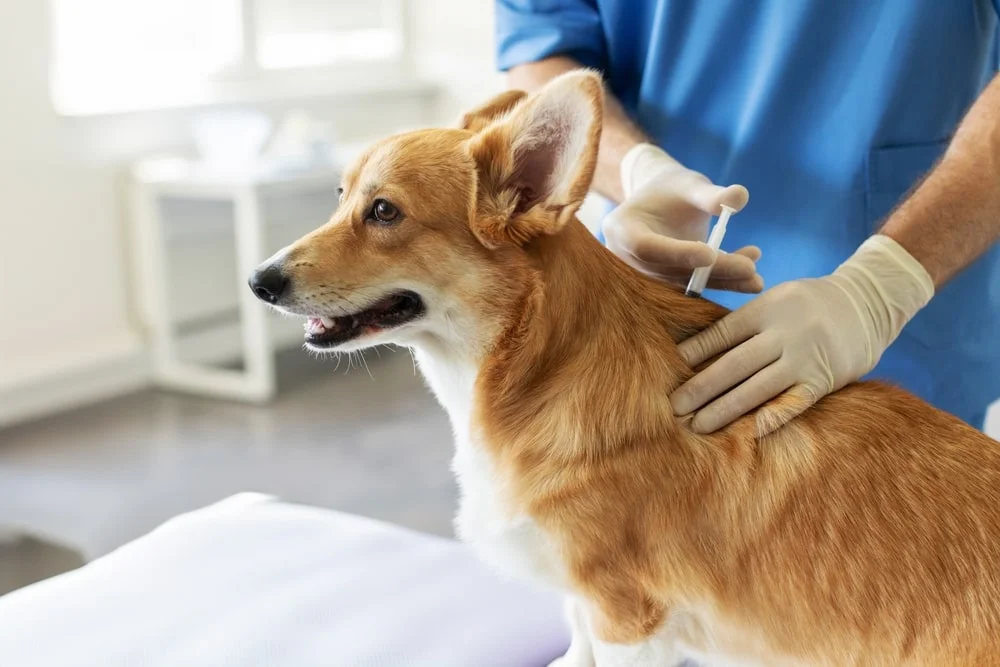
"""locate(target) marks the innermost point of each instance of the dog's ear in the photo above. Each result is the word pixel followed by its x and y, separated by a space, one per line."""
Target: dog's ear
pixel 478 118
pixel 534 165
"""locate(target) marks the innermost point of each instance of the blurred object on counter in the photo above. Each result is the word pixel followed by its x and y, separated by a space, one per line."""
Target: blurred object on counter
pixel 301 141
pixel 231 140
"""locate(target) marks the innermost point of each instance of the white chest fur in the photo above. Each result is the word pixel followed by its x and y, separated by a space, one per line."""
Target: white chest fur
pixel 508 540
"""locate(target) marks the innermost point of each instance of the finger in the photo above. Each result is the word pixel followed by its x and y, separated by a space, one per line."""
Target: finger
pixel 726 274
pixel 735 197
pixel 671 271
pixel 737 266
pixel 636 244
pixel 658 249
pixel 732 265
pixel 733 368
pixel 725 334
pixel 786 407
pixel 750 251
pixel 709 197
pixel 681 275
pixel 663 272
pixel 755 392
pixel 753 285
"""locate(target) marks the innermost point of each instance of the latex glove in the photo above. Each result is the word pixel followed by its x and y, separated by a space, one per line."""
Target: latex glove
pixel 661 226
pixel 804 338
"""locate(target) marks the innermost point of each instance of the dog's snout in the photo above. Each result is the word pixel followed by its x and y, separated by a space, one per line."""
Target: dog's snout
pixel 269 282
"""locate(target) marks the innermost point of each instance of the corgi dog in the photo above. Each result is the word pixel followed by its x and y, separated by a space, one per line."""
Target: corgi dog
pixel 864 532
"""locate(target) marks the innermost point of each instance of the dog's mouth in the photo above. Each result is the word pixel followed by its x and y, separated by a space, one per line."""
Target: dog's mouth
pixel 392 311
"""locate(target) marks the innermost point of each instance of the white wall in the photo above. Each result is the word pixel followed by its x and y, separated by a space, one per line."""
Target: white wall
pixel 61 270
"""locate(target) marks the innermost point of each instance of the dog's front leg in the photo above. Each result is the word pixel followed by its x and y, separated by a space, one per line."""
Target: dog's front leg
pixel 584 648
pixel 580 652
pixel 627 630
pixel 652 652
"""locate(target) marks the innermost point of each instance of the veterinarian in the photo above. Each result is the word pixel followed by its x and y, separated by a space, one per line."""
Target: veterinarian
pixel 829 113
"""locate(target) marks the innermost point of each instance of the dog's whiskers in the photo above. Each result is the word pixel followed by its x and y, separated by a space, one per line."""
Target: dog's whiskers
pixel 413 358
pixel 364 361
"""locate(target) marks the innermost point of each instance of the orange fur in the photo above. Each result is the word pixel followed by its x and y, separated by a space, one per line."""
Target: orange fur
pixel 866 532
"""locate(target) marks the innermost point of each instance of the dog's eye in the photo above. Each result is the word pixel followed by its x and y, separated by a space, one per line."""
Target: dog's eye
pixel 383 212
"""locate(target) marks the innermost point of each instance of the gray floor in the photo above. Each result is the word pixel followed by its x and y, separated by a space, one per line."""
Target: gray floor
pixel 376 445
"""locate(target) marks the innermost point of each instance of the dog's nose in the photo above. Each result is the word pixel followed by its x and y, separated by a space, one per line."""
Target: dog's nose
pixel 269 282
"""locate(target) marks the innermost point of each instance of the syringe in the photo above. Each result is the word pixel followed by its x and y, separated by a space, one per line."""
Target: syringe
pixel 700 276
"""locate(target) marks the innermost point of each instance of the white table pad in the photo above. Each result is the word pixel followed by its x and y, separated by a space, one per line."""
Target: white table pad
pixel 253 582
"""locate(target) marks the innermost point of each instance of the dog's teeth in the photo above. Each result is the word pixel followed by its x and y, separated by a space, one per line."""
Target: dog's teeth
pixel 327 322
pixel 314 325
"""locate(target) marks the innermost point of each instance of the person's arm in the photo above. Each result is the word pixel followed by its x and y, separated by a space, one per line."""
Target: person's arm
pixel 806 338
pixel 954 216
pixel 662 220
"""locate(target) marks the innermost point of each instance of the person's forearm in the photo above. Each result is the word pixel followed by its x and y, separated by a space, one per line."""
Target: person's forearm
pixel 619 133
pixel 954 215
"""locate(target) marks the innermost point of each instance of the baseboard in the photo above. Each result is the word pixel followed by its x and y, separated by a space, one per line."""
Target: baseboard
pixel 124 371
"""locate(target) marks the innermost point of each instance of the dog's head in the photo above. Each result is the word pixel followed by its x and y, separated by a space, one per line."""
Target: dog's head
pixel 430 235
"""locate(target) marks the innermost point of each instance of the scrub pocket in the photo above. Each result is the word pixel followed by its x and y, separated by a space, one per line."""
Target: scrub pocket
pixel 892 171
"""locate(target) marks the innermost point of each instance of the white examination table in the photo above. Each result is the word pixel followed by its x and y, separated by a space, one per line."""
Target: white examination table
pixel 254 582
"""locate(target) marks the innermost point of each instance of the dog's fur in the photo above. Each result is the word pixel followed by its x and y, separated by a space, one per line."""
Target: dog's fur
pixel 865 532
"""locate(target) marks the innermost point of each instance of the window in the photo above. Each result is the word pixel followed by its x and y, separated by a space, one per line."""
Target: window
pixel 117 55
pixel 313 33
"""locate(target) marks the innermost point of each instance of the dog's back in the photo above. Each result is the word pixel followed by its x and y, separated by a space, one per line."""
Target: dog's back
pixel 889 537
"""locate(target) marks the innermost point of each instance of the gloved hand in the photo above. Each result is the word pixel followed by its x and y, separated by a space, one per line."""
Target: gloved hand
pixel 805 338
pixel 661 226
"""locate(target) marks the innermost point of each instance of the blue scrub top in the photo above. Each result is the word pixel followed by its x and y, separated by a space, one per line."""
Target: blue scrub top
pixel 829 112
